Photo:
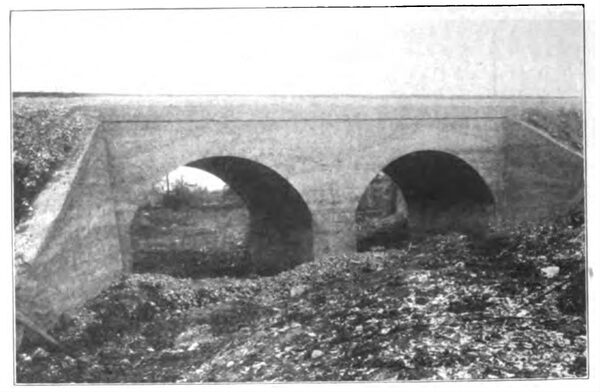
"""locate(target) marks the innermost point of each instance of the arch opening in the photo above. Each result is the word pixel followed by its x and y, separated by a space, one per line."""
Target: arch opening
pixel 262 221
pixel 423 192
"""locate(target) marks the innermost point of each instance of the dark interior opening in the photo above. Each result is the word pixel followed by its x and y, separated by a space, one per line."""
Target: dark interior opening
pixel 277 229
pixel 439 192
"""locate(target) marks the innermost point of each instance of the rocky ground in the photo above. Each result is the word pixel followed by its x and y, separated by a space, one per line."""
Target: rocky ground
pixel 443 308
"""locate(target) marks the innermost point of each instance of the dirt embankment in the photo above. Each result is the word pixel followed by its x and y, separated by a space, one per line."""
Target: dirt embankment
pixel 439 309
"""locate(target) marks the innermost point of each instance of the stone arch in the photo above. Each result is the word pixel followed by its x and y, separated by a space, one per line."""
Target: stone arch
pixel 280 235
pixel 441 192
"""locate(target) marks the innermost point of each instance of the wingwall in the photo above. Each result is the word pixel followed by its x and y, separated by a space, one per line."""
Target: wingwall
pixel 71 264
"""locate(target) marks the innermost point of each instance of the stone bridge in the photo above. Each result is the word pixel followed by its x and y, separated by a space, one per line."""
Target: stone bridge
pixel 301 165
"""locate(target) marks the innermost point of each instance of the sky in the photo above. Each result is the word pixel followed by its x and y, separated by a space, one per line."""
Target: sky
pixel 438 51
pixel 191 177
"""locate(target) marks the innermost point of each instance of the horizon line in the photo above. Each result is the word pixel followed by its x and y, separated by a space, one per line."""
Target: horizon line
pixel 73 94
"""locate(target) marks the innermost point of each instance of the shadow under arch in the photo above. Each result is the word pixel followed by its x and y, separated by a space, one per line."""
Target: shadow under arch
pixel 280 235
pixel 440 192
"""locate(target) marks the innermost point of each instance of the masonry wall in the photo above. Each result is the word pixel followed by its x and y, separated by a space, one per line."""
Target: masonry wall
pixel 540 179
pixel 330 163
pixel 81 253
